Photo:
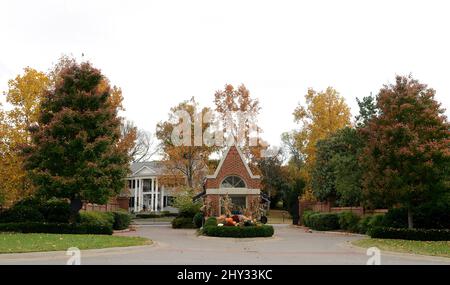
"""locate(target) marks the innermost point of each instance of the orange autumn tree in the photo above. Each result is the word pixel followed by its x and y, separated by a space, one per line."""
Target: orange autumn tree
pixel 243 130
pixel 189 160
pixel 407 155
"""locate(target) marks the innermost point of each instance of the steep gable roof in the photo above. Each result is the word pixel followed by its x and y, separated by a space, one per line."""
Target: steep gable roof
pixel 219 167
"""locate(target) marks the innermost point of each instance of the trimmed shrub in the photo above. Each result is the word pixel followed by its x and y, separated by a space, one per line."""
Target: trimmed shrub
pixel 324 221
pixel 198 220
pixel 427 216
pixel 396 218
pixel 348 221
pixel 363 224
pixel 410 234
pixel 97 218
pixel 376 221
pixel 56 228
pixel 148 216
pixel 155 215
pixel 55 211
pixel 305 217
pixel 239 232
pixel 31 202
pixel 211 221
pixel 183 223
pixel 121 220
pixel 21 213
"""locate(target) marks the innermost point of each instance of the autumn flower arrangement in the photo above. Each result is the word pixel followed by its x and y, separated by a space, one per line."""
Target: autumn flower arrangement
pixel 236 221
pixel 233 220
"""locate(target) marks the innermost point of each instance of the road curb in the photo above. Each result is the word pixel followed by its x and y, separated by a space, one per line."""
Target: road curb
pixel 329 232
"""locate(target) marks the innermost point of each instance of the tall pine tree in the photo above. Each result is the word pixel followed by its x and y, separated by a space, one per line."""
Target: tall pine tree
pixel 75 153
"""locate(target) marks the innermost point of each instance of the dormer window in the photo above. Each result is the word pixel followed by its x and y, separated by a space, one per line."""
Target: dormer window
pixel 232 182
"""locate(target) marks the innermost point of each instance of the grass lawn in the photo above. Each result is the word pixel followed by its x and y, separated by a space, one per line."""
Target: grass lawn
pixel 17 242
pixel 436 248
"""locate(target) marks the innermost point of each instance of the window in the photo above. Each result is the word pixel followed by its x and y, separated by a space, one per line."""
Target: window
pixel 239 204
pixel 233 182
pixel 147 185
pixel 169 201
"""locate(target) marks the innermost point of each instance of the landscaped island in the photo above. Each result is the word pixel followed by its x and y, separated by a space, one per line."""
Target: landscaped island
pixel 236 226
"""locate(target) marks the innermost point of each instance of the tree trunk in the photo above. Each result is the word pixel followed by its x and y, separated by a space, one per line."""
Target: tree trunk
pixel 295 213
pixel 410 219
pixel 75 207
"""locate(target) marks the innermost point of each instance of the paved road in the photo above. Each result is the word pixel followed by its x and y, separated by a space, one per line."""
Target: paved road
pixel 290 245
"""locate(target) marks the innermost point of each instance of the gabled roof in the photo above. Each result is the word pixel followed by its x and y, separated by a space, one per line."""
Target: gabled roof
pixel 242 159
pixel 147 168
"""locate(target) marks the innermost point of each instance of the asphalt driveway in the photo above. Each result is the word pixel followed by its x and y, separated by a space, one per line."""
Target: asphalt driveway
pixel 290 245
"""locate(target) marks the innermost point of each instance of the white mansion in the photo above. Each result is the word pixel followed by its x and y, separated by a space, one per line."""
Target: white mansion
pixel 149 188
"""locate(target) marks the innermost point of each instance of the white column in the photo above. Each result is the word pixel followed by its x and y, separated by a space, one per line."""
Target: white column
pixel 152 195
pixel 133 184
pixel 156 195
pixel 141 191
pixel 162 197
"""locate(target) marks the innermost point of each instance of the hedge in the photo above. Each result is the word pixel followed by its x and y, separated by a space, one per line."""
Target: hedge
pixel 154 215
pixel 97 218
pixel 410 234
pixel 56 211
pixel 324 221
pixel 348 221
pixel 211 221
pixel 183 223
pixel 427 216
pixel 35 210
pixel 117 220
pixel 121 220
pixel 21 213
pixel 305 217
pixel 56 228
pixel 198 220
pixel 239 232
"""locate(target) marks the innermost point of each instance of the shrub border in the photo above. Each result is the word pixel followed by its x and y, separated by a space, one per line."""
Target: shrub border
pixel 239 232
pixel 56 228
pixel 410 234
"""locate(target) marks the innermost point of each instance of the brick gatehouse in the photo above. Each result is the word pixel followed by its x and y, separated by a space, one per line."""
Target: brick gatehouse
pixel 234 178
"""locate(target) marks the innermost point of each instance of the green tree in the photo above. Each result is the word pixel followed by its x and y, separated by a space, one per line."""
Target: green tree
pixel 407 155
pixel 75 154
pixel 184 202
pixel 272 179
pixel 336 175
pixel 367 110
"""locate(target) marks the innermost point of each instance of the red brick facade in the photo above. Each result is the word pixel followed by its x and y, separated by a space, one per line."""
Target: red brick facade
pixel 231 165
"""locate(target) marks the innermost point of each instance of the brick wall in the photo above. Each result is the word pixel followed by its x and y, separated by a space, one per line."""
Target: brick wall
pixel 114 204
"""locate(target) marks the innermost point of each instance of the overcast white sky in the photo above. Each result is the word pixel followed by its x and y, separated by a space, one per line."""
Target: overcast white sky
pixel 163 52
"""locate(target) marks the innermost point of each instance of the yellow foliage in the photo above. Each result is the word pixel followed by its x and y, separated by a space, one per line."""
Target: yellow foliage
pixel 25 93
pixel 325 113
